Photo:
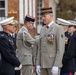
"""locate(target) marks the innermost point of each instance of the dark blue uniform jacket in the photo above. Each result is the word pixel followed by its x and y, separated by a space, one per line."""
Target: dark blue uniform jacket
pixel 69 58
pixel 8 56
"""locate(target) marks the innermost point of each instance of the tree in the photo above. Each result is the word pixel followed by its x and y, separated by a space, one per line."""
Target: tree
pixel 66 9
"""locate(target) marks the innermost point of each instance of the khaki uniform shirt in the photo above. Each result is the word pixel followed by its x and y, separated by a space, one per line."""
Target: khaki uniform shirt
pixel 51 46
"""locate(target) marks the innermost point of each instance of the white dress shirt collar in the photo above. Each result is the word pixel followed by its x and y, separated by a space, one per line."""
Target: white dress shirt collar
pixel 50 23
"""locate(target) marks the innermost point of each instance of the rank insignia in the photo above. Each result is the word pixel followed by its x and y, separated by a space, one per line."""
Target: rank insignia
pixel 50 38
pixel 2 35
pixel 11 41
pixel 61 35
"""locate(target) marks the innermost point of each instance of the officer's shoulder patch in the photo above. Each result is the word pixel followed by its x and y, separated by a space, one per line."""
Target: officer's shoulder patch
pixel 2 35
pixel 61 35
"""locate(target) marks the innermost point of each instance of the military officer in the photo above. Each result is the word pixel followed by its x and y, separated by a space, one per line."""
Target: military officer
pixel 9 61
pixel 51 49
pixel 69 58
pixel 68 34
pixel 25 45
pixel 14 35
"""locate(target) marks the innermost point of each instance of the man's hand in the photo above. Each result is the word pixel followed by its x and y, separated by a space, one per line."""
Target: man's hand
pixel 38 69
pixel 18 68
pixel 54 70
pixel 34 69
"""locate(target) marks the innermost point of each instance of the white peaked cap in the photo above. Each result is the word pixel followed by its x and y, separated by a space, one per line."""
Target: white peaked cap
pixel 6 21
pixel 63 21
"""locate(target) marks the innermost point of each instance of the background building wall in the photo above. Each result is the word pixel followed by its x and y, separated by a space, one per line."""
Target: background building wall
pixel 53 3
pixel 20 8
pixel 13 8
pixel 46 3
pixel 27 7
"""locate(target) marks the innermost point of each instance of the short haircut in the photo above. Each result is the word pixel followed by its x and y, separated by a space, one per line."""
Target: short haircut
pixel 72 26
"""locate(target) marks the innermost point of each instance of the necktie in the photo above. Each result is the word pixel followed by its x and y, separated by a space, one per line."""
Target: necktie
pixel 47 26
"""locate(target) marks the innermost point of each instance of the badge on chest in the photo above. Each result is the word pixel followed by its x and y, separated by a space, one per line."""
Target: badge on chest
pixel 66 40
pixel 50 38
pixel 11 41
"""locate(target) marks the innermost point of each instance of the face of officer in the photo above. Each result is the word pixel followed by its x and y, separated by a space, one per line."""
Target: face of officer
pixel 71 29
pixel 47 18
pixel 29 25
pixel 9 28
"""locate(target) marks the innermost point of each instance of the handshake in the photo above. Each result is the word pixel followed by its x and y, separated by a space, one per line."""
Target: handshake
pixel 18 68
pixel 54 70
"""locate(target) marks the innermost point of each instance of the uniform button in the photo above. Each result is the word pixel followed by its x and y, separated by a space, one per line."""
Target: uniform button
pixel 43 53
pixel 32 46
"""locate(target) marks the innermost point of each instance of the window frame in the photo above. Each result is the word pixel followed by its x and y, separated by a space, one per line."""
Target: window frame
pixel 39 20
pixel 5 8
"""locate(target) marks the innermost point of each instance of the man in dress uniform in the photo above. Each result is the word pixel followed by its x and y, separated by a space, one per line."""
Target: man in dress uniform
pixel 14 35
pixel 68 34
pixel 25 45
pixel 9 61
pixel 69 58
pixel 51 47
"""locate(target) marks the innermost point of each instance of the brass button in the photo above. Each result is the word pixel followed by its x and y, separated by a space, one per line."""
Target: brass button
pixel 43 53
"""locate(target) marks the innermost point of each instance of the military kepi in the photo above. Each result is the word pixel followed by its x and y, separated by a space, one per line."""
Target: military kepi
pixel 46 10
pixel 29 18
pixel 8 21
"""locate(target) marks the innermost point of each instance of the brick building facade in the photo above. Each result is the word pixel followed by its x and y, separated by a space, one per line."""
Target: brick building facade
pixel 20 8
pixel 13 8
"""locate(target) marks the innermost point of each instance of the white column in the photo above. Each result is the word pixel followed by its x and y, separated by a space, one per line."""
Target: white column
pixel 34 8
pixel 53 4
pixel 30 7
pixel 21 19
pixel 42 3
pixel 34 11
pixel 6 8
pixel 26 7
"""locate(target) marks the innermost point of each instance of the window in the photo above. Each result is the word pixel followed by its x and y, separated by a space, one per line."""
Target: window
pixel 26 7
pixel 2 4
pixel 3 9
pixel 39 6
pixel 39 19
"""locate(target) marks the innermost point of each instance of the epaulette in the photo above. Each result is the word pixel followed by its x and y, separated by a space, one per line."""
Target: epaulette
pixel 2 35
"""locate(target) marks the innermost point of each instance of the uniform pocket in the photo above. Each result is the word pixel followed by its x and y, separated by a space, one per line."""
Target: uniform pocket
pixel 52 55
pixel 27 59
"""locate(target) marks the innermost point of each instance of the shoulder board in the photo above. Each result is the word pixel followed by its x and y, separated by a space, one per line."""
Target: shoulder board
pixel 4 36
